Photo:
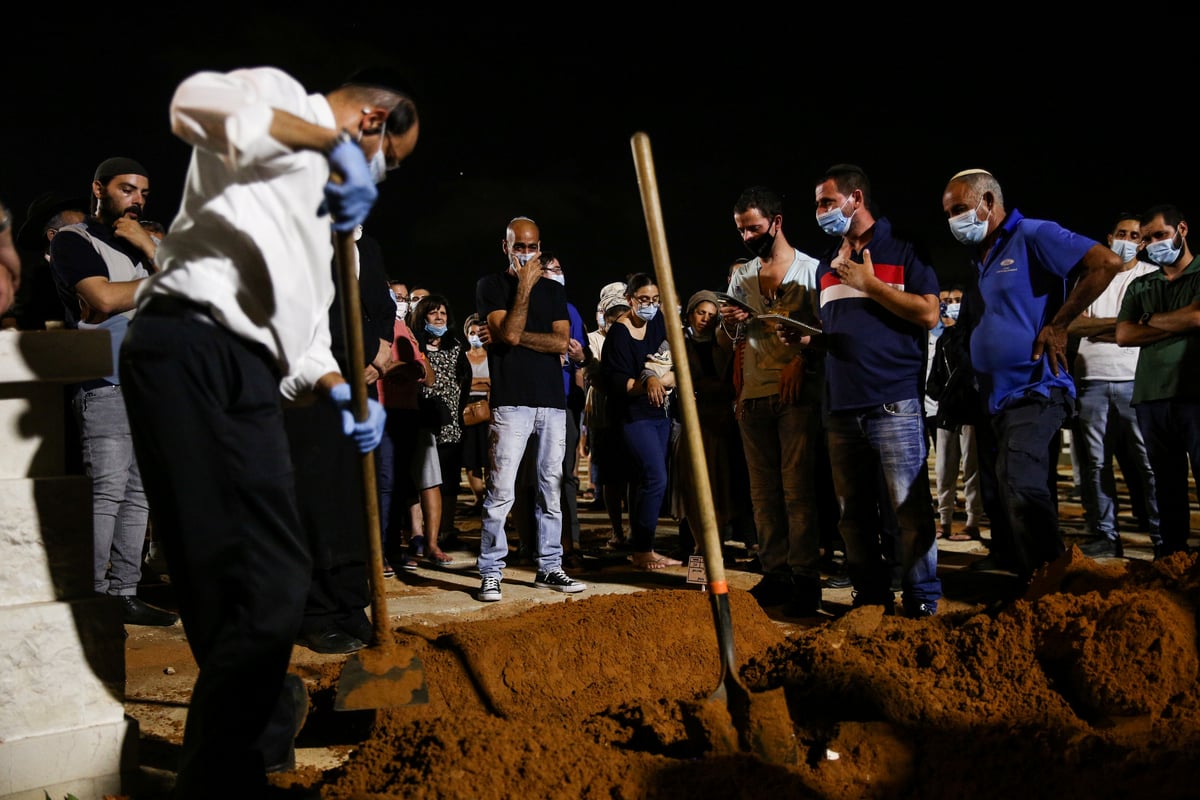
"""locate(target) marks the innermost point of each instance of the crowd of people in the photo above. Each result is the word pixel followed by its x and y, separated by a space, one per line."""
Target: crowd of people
pixel 821 381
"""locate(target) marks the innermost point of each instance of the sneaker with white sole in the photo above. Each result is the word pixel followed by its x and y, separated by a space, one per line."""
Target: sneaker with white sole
pixel 559 581
pixel 489 589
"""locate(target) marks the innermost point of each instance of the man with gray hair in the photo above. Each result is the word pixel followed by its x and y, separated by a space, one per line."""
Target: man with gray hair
pixel 1021 309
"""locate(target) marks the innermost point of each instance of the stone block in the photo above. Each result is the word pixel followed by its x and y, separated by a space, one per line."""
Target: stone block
pixel 46 539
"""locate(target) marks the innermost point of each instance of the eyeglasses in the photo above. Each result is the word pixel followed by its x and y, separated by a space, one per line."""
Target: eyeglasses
pixel 647 301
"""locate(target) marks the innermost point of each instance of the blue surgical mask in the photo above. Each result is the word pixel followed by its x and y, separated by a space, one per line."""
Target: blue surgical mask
pixel 435 330
pixel 647 312
pixel 967 227
pixel 834 222
pixel 1164 253
pixel 523 258
pixel 1125 248
pixel 474 341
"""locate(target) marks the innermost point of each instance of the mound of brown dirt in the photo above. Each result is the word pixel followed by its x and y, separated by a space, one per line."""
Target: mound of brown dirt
pixel 1085 687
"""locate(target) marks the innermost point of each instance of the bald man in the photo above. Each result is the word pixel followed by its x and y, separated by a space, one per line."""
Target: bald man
pixel 529 327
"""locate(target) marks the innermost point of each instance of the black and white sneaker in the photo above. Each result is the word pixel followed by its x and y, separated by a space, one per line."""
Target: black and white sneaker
pixel 559 581
pixel 489 589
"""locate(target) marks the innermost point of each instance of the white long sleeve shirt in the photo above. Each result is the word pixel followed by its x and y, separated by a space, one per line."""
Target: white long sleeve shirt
pixel 248 241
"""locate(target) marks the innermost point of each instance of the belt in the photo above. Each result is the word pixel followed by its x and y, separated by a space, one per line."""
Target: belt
pixel 169 305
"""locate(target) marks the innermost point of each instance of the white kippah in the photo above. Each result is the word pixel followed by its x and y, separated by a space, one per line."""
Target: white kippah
pixel 967 172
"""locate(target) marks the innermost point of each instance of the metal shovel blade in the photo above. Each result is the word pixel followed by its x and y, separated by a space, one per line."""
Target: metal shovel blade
pixel 382 678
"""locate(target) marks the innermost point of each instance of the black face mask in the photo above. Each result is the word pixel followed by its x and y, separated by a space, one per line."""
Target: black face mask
pixel 761 247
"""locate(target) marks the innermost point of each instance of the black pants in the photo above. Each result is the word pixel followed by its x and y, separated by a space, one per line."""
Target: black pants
pixel 329 496
pixel 208 431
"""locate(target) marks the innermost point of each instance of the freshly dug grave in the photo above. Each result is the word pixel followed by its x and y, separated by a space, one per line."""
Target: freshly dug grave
pixel 1084 687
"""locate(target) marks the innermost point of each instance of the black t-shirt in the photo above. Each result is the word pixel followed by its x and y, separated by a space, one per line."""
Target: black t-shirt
pixel 520 376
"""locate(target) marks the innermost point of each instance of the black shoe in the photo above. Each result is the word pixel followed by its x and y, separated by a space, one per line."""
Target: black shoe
pixel 919 610
pixel 991 563
pixel 806 598
pixel 330 641
pixel 773 590
pixel 1103 547
pixel 136 612
pixel 888 601
pixel 359 626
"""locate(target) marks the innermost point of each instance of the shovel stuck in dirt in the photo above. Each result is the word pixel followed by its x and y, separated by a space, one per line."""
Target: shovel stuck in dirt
pixel 384 674
pixel 761 722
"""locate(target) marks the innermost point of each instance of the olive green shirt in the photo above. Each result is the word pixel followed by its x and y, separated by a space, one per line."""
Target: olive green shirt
pixel 1168 369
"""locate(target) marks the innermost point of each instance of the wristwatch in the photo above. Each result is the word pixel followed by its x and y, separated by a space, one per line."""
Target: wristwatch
pixel 1145 319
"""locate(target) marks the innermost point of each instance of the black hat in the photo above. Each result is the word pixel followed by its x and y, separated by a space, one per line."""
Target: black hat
pixel 40 211
pixel 112 167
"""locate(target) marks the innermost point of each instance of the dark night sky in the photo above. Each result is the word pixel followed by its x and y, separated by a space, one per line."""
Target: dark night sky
pixel 536 118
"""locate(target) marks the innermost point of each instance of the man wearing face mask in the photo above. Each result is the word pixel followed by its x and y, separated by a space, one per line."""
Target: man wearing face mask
pixel 1107 422
pixel 236 324
pixel 574 361
pixel 954 438
pixel 879 299
pixel 530 330
pixel 1161 316
pixel 779 403
pixel 1019 354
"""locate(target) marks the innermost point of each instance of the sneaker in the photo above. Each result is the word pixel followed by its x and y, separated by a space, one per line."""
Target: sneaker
pixel 489 589
pixel 557 580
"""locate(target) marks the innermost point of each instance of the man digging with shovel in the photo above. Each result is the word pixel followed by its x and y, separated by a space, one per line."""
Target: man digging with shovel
pixel 238 316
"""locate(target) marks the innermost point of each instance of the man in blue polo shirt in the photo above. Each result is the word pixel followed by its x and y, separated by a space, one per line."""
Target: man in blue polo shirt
pixel 1019 352
pixel 878 301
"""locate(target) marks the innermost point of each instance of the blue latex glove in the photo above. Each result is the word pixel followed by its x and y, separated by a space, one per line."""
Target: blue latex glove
pixel 350 194
pixel 366 434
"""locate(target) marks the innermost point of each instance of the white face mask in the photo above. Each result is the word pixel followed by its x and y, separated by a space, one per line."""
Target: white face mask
pixel 952 310
pixel 1125 248
pixel 600 321
pixel 967 227
pixel 522 258
pixel 474 341
pixel 557 277
pixel 401 309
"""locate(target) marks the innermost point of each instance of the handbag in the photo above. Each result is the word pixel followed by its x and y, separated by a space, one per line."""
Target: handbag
pixel 477 411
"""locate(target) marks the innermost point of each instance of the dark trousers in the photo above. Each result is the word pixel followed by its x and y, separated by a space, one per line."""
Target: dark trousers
pixel 208 431
pixel 1019 482
pixel 647 441
pixel 329 496
pixel 1171 429
pixel 393 464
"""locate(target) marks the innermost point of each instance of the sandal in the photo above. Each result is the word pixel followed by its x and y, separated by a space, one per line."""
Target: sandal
pixel 966 534
pixel 388 570
pixel 653 561
pixel 438 558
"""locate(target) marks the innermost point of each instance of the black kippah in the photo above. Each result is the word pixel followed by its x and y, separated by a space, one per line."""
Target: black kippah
pixel 112 167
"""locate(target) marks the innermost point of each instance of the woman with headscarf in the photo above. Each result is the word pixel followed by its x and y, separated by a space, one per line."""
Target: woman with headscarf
pixel 710 367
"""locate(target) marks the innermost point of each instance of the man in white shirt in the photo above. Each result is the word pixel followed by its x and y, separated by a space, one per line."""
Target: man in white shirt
pixel 238 316
pixel 1106 418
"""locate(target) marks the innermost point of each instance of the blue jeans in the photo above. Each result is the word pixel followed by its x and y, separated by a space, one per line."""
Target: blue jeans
pixel 648 442
pixel 1105 408
pixel 780 442
pixel 511 430
pixel 887 441
pixel 1025 465
pixel 1171 430
pixel 119 509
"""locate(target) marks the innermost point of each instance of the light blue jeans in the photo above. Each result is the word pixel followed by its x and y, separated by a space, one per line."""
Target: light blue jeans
pixel 119 508
pixel 1102 405
pixel 513 428
pixel 887 440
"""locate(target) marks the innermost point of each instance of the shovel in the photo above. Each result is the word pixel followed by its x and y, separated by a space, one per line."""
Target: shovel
pixel 383 675
pixel 761 722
